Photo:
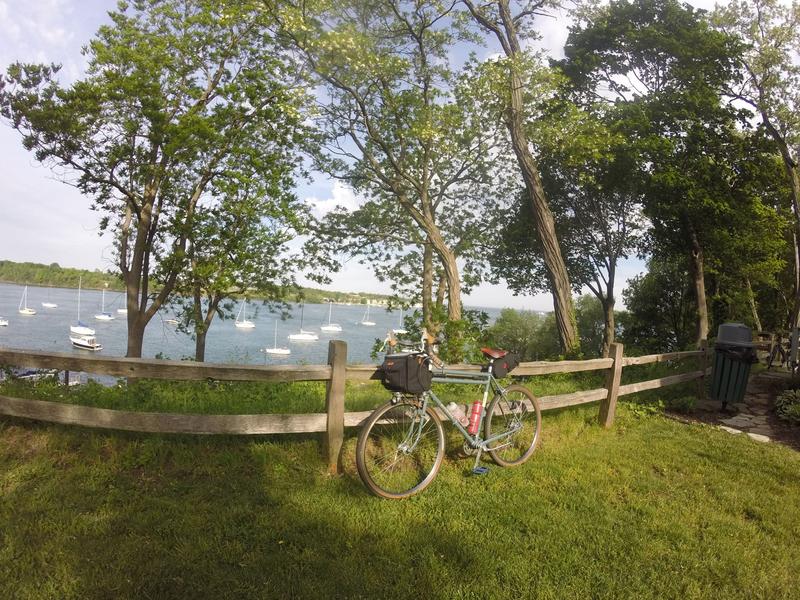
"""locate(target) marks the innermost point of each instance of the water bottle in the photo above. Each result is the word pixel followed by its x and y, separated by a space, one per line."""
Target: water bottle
pixel 475 417
pixel 458 413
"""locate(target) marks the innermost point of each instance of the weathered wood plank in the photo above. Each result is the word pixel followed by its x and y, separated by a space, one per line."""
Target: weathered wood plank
pixel 363 373
pixel 69 414
pixel 573 399
pixel 161 369
pixel 655 358
pixel 652 384
pixel 562 366
pixel 334 404
pixel 371 372
pixel 608 406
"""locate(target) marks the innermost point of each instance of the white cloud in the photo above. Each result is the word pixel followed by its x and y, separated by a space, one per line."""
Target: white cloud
pixel 9 28
pixel 341 195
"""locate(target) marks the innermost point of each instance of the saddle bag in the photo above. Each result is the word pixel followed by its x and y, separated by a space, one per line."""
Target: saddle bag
pixel 503 366
pixel 406 373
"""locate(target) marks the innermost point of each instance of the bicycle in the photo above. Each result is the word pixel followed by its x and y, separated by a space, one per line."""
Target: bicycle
pixel 778 351
pixel 401 446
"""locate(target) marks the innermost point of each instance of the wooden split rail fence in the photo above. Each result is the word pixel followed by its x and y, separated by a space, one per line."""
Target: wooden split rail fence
pixel 335 374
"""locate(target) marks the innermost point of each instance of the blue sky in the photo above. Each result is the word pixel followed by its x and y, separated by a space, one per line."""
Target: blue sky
pixel 44 220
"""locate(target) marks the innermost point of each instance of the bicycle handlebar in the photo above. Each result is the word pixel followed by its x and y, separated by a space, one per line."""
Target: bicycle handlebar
pixel 426 344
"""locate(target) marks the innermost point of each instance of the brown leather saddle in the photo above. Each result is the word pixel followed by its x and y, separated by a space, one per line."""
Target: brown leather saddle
pixel 494 352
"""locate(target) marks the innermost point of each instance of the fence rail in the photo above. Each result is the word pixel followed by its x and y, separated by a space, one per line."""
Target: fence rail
pixel 335 374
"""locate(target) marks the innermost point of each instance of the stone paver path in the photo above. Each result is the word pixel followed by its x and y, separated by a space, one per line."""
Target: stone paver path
pixel 750 416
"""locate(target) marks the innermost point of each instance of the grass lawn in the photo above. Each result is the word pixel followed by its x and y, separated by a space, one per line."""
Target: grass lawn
pixel 649 509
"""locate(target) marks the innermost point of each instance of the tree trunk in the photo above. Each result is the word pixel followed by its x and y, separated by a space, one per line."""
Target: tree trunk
pixel 506 32
pixel 441 290
pixel 439 245
pixel 608 331
pixel 200 329
pixel 551 251
pixel 135 336
pixel 751 298
pixel 200 346
pixel 793 175
pixel 696 269
pixel 792 318
pixel 427 286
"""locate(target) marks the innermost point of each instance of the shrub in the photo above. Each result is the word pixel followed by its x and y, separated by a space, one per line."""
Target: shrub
pixel 682 404
pixel 787 405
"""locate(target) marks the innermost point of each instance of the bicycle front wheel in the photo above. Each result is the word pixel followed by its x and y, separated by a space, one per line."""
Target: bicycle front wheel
pixel 514 412
pixel 400 449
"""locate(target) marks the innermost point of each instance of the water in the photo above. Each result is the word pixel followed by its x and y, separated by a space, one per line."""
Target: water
pixel 48 330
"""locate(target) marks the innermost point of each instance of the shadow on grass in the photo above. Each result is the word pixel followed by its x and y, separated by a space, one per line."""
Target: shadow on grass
pixel 88 515
pixel 649 509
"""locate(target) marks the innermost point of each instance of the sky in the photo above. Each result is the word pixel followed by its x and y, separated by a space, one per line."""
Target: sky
pixel 45 220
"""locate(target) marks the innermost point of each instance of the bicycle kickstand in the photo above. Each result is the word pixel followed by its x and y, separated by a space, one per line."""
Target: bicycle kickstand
pixel 478 469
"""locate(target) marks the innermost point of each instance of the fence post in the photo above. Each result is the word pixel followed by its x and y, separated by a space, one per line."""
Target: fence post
pixel 609 406
pixel 334 403
pixel 66 378
pixel 702 363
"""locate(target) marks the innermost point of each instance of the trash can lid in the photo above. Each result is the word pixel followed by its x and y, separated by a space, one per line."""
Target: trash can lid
pixel 734 334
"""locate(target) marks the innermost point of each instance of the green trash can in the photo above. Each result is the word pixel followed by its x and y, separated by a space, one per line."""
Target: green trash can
pixel 734 353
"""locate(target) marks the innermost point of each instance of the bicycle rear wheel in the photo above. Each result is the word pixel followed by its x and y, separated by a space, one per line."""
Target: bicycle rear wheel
pixel 516 412
pixel 400 449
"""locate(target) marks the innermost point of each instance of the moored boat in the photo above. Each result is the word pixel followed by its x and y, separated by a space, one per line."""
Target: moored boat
pixel 85 342
pixel 331 327
pixel 104 315
pixel 23 304
pixel 303 335
pixel 241 321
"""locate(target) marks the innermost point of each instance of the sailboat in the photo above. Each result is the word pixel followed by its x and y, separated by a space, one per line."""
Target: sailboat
pixel 124 309
pixel 103 315
pixel 243 323
pixel 23 304
pixel 365 320
pixel 332 327
pixel 48 303
pixel 400 329
pixel 303 336
pixel 275 349
pixel 80 328
pixel 85 342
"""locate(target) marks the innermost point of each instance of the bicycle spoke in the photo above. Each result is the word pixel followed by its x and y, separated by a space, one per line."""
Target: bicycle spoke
pixel 400 450
pixel 514 416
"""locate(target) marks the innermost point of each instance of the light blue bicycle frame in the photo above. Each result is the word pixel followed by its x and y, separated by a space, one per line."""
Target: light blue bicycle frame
pixel 483 378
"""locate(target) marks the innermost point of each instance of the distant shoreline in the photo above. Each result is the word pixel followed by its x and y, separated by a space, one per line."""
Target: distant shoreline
pixel 54 275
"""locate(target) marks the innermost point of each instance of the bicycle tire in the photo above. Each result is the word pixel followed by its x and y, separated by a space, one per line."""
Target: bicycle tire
pixel 515 408
pixel 381 440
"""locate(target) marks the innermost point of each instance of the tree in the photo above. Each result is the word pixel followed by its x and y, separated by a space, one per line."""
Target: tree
pixel 532 335
pixel 660 311
pixel 238 247
pixel 770 84
pixel 586 173
pixel 395 127
pixel 748 248
pixel 662 68
pixel 497 19
pixel 174 93
pixel 592 323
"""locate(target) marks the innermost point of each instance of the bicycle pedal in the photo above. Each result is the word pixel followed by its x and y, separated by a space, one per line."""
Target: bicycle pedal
pixel 480 470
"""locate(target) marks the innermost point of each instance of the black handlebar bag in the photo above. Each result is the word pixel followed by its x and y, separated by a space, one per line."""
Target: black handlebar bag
pixel 407 373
